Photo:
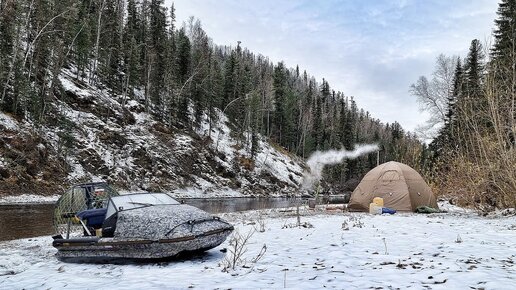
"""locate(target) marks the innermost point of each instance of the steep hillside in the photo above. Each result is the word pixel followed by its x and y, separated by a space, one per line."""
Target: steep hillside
pixel 90 136
pixel 104 90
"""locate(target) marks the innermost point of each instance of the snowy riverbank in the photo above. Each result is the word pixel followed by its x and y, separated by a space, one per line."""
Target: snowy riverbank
pixel 178 194
pixel 441 251
pixel 28 199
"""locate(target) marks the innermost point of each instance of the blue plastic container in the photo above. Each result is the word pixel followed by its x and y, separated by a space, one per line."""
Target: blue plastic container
pixel 388 210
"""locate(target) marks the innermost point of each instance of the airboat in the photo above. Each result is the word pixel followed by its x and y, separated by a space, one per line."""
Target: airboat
pixel 94 222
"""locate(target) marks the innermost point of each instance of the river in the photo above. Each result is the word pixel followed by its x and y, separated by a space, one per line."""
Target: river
pixel 32 220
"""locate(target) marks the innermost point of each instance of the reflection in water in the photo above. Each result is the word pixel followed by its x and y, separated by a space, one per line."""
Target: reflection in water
pixel 25 221
pixel 222 205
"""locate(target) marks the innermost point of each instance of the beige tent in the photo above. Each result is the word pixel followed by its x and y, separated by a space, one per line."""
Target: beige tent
pixel 400 186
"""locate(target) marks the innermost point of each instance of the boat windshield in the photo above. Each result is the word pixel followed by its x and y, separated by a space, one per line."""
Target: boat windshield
pixel 131 201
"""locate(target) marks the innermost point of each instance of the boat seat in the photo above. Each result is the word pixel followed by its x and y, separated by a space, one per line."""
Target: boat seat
pixel 94 217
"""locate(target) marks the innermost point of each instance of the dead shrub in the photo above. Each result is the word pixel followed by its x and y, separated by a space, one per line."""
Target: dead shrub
pixel 236 250
pixel 246 163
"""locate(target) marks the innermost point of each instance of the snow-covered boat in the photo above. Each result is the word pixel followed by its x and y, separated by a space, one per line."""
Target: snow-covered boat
pixel 141 226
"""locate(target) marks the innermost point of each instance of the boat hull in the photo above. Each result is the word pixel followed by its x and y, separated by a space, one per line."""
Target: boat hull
pixel 112 248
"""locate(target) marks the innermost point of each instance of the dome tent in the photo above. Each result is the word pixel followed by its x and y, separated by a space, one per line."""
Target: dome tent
pixel 401 187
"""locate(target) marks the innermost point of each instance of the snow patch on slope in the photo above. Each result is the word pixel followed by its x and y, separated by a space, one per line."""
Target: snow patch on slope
pixel 145 154
pixel 267 159
pixel 8 122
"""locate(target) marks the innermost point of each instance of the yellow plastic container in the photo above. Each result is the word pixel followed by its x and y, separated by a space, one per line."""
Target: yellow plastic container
pixel 378 201
pixel 374 208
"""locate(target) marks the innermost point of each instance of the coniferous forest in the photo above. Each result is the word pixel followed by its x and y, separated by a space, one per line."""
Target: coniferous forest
pixel 137 51
pixel 472 100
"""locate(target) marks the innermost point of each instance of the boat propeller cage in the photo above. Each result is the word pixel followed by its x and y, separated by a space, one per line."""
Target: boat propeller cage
pixel 76 199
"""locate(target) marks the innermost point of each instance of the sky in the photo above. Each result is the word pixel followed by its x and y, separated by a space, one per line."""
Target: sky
pixel 372 50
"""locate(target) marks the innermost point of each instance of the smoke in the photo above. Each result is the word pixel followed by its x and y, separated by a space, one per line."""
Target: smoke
pixel 319 159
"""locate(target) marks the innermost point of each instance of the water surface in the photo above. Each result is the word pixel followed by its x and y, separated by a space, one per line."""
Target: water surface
pixel 32 220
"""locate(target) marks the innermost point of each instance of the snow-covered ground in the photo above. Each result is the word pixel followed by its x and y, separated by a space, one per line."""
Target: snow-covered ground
pixel 455 250
pixel 28 199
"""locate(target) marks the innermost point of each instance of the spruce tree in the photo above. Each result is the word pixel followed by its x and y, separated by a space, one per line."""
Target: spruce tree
pixel 115 63
pixel 132 46
pixel 279 100
pixel 474 69
pixel 183 56
pixel 40 57
pixel 183 73
pixel 8 16
pixel 318 124
pixel 505 34
pixel 503 67
pixel 450 123
pixel 157 54
pixel 201 59
pixel 171 70
pixel 83 45
pixel 229 80
pixel 349 126
pixel 476 102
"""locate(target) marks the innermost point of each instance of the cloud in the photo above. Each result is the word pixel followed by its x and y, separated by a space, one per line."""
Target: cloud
pixel 371 50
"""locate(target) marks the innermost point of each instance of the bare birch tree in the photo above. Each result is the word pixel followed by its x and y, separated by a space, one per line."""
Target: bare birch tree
pixel 432 94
